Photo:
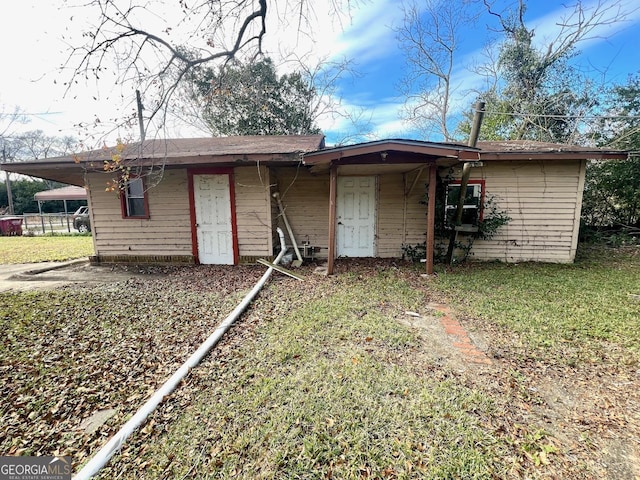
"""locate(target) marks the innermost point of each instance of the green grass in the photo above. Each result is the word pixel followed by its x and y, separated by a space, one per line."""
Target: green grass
pixel 328 386
pixel 585 306
pixel 46 248
pixel 319 379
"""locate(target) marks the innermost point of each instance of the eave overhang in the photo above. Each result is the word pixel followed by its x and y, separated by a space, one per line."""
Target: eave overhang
pixel 468 156
pixel 72 171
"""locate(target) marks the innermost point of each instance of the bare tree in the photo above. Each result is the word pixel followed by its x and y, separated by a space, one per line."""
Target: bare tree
pixel 322 75
pixel 430 37
pixel 155 45
pixel 34 144
pixel 581 22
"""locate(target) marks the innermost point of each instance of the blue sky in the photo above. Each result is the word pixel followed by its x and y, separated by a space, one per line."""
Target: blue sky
pixel 34 48
pixel 611 56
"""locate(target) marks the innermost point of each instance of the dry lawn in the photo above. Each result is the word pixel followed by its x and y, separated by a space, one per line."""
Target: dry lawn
pixel 325 379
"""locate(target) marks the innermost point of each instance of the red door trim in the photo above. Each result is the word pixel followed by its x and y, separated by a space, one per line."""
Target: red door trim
pixel 192 208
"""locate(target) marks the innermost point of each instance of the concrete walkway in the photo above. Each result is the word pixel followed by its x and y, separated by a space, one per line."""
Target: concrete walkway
pixel 48 275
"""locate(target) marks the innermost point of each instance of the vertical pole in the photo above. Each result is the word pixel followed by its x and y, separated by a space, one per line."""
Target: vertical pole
pixel 464 179
pixel 140 120
pixel 66 215
pixel 431 217
pixel 8 183
pixel 41 217
pixel 333 187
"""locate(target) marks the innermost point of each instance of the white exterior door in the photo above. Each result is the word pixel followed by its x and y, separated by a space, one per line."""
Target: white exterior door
pixel 212 200
pixel 356 216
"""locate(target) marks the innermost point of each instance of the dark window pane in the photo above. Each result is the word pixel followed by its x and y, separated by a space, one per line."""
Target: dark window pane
pixel 135 207
pixel 472 205
pixel 470 216
pixel 135 188
pixel 134 196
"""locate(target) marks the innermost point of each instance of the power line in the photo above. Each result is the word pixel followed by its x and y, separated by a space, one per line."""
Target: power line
pixel 584 117
pixel 28 114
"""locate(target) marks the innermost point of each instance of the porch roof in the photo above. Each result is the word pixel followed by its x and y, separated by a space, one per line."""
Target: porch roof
pixel 398 151
pixel 387 152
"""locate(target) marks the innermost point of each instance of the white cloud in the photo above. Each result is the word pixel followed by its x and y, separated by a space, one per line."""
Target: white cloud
pixel 33 50
pixel 550 26
pixel 371 36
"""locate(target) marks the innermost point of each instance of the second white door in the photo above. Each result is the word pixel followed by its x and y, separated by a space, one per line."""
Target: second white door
pixel 356 216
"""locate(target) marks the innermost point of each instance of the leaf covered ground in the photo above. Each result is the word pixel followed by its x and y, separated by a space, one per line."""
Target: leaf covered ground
pixel 324 379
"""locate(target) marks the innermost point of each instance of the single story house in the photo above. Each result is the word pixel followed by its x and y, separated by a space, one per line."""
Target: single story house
pixel 211 200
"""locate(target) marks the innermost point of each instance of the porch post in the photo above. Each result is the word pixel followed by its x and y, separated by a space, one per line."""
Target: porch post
pixel 431 217
pixel 66 216
pixel 333 187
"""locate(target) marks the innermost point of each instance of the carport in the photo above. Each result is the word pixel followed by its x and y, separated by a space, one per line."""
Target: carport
pixel 65 193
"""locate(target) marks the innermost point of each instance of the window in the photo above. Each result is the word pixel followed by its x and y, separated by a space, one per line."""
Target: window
pixel 472 209
pixel 134 199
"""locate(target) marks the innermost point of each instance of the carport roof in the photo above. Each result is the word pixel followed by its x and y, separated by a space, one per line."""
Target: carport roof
pixel 64 193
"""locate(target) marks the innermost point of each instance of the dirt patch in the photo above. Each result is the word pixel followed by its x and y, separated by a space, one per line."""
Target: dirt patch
pixel 589 414
pixel 436 343
pixel 50 275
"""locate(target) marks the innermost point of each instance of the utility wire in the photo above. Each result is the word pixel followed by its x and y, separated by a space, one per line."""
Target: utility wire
pixel 585 117
pixel 27 114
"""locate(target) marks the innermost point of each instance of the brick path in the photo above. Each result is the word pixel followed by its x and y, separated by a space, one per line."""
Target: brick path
pixel 459 337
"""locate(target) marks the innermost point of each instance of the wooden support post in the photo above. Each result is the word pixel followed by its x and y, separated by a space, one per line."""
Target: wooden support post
pixel 464 180
pixel 333 187
pixel 431 217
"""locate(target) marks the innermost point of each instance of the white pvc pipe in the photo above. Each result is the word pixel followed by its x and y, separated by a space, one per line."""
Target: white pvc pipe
pixel 276 195
pixel 115 443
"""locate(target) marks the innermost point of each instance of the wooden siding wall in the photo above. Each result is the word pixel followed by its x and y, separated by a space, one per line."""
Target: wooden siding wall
pixel 389 210
pixel 253 212
pixel 306 201
pixel 305 198
pixel 543 200
pixel 402 219
pixel 167 233
pixel 416 216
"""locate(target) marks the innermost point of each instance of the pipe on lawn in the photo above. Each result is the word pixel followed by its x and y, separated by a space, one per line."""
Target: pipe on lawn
pixel 115 443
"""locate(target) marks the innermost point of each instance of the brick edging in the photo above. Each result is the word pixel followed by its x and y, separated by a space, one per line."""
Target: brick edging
pixel 459 336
